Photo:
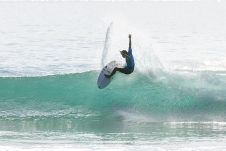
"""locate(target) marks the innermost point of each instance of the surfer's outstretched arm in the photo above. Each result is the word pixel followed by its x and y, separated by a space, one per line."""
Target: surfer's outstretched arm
pixel 129 40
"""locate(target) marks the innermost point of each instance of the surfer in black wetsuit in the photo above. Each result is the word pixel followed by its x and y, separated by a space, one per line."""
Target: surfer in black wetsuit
pixel 128 69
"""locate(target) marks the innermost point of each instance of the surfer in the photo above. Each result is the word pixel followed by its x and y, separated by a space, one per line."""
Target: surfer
pixel 128 69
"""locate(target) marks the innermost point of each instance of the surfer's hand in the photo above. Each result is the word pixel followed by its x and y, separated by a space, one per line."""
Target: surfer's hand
pixel 129 35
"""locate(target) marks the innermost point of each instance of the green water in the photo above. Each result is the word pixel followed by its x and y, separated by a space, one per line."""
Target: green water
pixel 74 103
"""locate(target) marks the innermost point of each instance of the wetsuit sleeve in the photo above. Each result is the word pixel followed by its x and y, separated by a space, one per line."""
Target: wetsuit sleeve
pixel 130 51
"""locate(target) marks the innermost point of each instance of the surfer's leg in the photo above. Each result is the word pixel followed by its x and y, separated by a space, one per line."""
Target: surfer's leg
pixel 114 71
pixel 123 70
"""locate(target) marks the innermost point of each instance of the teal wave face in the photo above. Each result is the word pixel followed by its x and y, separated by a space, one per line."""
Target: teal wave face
pixel 54 102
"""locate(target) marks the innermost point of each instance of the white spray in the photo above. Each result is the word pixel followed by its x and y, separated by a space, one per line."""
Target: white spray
pixel 117 39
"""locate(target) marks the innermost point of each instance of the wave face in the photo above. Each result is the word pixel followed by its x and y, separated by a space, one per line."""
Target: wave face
pixel 74 103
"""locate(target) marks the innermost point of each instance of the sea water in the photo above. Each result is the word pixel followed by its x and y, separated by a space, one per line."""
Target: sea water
pixel 51 53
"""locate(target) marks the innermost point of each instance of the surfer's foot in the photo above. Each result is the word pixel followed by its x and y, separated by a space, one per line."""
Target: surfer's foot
pixel 107 76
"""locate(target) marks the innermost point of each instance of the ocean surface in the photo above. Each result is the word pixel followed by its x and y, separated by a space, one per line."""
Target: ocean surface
pixel 51 53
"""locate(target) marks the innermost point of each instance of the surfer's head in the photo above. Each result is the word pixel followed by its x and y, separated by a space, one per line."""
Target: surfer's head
pixel 124 53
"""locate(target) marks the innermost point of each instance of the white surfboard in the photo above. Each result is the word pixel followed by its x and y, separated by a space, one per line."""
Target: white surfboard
pixel 102 81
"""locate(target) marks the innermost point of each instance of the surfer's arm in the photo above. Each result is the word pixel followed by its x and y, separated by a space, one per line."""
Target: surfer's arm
pixel 129 40
pixel 130 43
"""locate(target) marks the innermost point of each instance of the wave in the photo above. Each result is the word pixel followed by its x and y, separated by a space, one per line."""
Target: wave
pixel 73 102
pixel 163 95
